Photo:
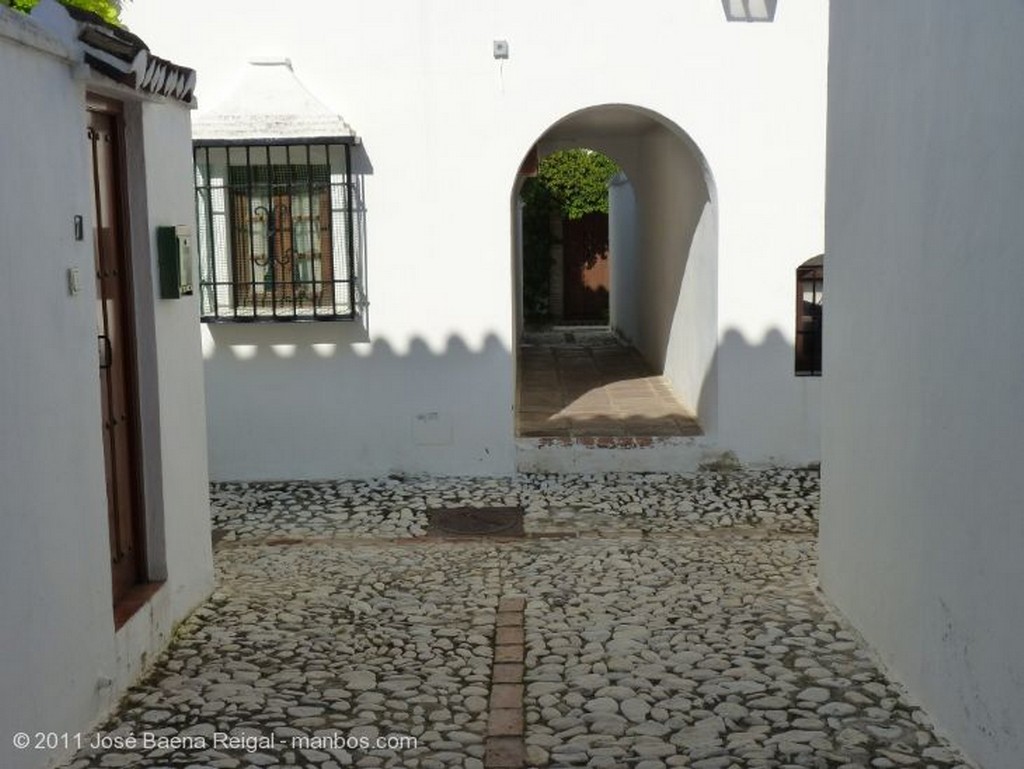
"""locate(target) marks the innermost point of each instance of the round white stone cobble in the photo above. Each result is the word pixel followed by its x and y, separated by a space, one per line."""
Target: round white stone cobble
pixel 670 622
pixel 776 500
pixel 814 694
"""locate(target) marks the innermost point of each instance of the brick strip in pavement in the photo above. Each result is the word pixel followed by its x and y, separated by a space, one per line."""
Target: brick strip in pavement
pixel 505 747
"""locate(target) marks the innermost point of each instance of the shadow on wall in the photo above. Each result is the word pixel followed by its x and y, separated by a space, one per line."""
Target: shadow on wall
pixel 758 370
pixel 663 260
pixel 773 414
pixel 320 341
pixel 303 401
pixel 669 267
pixel 307 401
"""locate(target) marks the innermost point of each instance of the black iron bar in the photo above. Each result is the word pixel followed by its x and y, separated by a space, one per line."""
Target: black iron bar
pixel 292 264
pixel 271 234
pixel 309 227
pixel 250 212
pixel 348 234
pixel 210 229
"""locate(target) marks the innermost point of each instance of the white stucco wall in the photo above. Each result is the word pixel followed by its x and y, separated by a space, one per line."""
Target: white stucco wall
pixel 622 244
pixel 676 269
pixel 445 127
pixel 922 529
pixel 184 475
pixel 59 647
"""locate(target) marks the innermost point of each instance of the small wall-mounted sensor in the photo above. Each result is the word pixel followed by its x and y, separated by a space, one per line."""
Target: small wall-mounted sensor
pixel 501 49
pixel 74 281
pixel 79 227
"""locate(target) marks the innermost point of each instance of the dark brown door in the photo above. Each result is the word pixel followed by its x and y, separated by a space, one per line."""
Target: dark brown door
pixel 116 344
pixel 585 258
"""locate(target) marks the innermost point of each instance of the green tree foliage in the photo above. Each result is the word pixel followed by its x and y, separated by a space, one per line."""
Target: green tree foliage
pixel 537 238
pixel 577 181
pixel 105 9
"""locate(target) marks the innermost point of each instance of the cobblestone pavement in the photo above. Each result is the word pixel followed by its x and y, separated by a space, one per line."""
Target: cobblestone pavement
pixel 669 621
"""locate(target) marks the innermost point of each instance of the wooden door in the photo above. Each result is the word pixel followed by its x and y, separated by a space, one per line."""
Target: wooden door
pixel 585 260
pixel 116 343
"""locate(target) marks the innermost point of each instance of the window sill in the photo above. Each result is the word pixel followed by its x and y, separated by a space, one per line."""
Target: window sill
pixel 273 320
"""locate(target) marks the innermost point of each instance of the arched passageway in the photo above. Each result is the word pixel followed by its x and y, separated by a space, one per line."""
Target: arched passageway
pixel 648 369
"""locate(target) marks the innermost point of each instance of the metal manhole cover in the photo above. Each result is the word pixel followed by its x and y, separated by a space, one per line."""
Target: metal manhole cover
pixel 475 522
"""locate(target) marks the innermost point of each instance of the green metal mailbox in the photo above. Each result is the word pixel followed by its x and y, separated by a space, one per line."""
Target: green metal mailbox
pixel 174 249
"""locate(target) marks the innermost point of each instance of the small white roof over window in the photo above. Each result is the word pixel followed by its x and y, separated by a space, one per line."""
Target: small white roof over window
pixel 270 104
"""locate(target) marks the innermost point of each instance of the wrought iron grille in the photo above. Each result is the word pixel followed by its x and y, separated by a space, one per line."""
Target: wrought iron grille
pixel 275 235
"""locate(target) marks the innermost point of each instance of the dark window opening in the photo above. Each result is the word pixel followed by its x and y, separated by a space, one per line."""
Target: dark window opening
pixel 275 232
pixel 809 287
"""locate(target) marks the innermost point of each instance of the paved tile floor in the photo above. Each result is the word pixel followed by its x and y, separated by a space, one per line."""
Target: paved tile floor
pixel 586 382
pixel 666 621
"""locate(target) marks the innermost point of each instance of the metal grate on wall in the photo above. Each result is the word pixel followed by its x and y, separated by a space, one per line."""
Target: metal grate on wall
pixel 275 231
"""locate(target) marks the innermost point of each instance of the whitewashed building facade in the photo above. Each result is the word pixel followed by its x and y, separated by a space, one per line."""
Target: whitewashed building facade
pixel 715 111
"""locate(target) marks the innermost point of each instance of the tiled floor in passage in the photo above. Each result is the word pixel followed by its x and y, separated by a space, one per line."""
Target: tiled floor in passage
pixel 661 621
pixel 585 382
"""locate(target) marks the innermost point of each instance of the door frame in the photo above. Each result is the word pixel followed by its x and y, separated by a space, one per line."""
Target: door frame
pixel 115 110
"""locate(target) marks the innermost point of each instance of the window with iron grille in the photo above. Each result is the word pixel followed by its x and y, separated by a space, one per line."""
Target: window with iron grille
pixel 275 231
pixel 810 279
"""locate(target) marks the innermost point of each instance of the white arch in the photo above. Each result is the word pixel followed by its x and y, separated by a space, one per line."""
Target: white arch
pixel 664 295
